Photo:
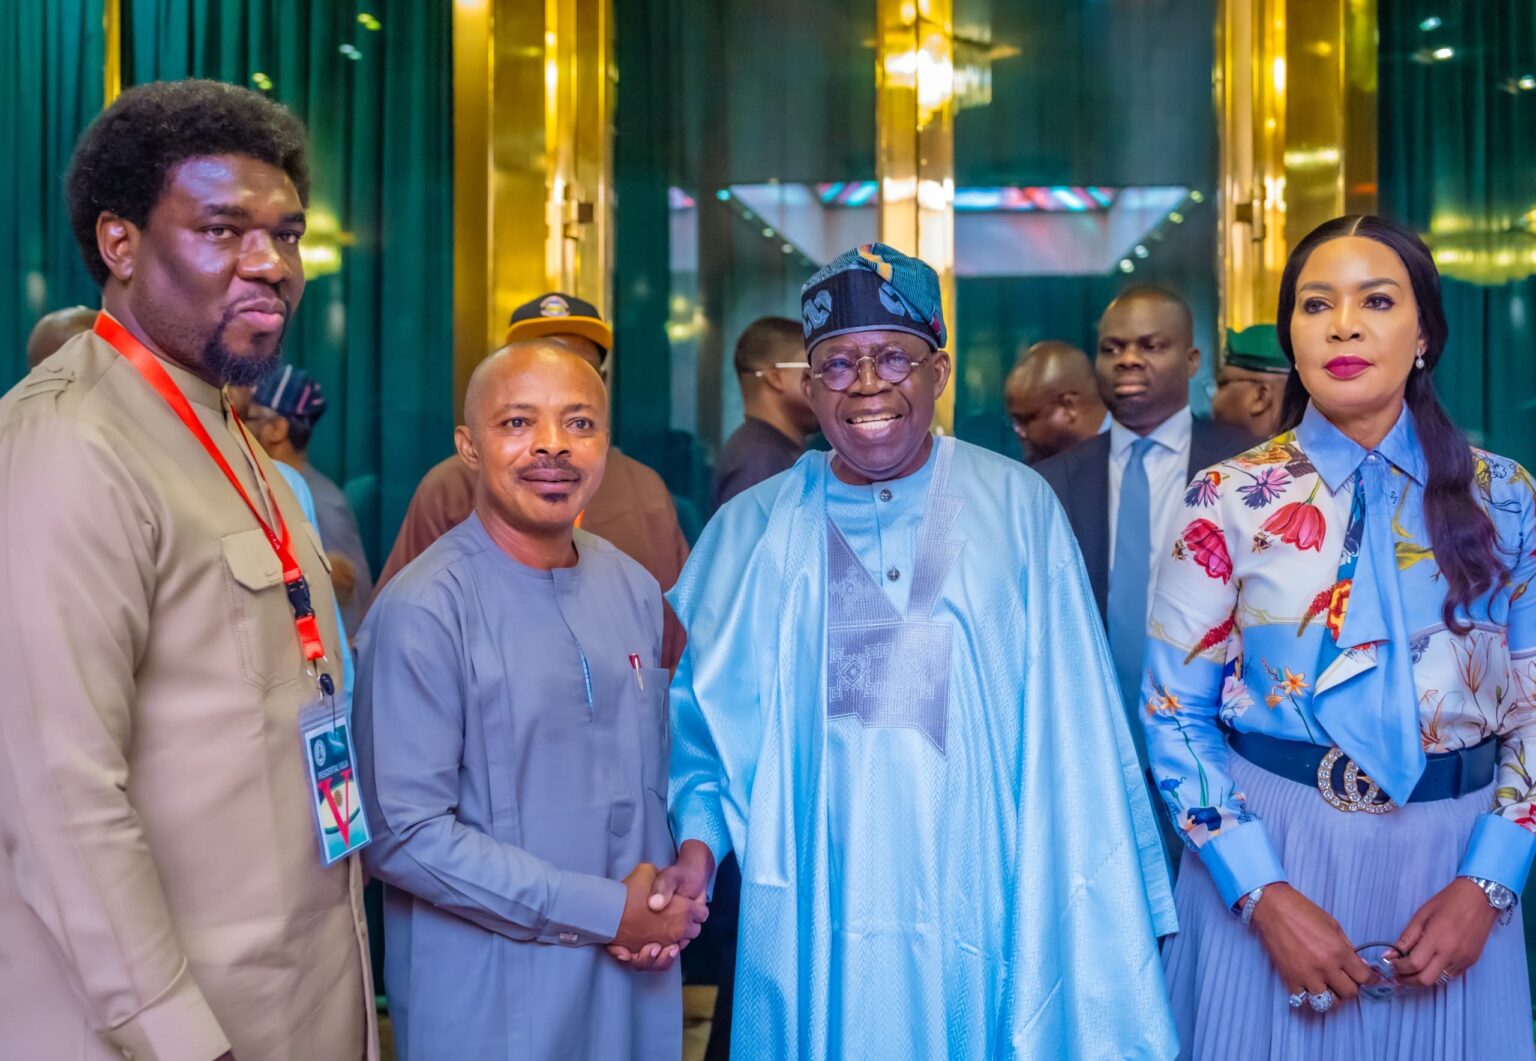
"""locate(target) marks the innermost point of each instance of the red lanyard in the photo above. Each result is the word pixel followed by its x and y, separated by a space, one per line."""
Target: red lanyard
pixel 156 376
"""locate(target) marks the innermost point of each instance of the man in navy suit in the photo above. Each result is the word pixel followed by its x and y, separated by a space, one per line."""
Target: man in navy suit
pixel 1123 490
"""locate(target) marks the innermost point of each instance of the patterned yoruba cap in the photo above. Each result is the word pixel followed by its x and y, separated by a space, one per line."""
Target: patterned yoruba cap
pixel 873 288
pixel 290 391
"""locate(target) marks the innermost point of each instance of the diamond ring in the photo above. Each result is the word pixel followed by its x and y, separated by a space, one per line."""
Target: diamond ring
pixel 1321 1003
pixel 1296 999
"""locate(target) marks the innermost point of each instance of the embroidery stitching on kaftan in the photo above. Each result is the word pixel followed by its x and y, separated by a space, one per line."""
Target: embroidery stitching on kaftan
pixel 881 668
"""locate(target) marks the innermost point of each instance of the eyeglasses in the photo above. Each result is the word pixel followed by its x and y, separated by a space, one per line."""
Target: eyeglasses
pixel 760 373
pixel 839 371
pixel 1388 986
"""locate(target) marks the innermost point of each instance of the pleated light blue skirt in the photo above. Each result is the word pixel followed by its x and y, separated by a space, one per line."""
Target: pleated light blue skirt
pixel 1371 872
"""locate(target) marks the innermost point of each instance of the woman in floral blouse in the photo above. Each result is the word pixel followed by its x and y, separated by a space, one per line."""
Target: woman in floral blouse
pixel 1340 694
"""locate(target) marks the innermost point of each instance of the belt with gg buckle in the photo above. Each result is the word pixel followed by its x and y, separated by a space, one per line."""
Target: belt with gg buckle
pixel 1345 787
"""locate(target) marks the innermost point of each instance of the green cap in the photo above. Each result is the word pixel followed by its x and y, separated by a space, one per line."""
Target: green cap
pixel 1256 349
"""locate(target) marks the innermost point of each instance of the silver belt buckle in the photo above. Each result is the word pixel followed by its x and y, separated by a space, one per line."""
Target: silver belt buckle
pixel 1372 800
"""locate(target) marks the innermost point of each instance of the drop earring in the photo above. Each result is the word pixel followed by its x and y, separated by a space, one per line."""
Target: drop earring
pixel 1418 362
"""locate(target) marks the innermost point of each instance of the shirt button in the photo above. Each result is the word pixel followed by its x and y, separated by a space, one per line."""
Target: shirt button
pixel 885 495
pixel 893 574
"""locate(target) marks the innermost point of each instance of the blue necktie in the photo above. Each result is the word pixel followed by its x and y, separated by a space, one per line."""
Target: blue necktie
pixel 1128 579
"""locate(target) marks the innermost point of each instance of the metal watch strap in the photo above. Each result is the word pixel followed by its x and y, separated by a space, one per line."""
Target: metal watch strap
pixel 1500 896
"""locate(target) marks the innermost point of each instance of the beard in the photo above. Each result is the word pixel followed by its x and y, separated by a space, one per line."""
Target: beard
pixel 233 369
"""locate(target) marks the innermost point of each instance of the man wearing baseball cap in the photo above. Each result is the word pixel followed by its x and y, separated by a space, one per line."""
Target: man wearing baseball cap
pixel 631 509
pixel 896 706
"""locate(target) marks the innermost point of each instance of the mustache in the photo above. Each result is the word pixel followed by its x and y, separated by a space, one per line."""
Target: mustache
pixel 272 295
pixel 549 464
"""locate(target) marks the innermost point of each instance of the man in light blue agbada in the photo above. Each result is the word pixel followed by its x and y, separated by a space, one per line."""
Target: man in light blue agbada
pixel 896 706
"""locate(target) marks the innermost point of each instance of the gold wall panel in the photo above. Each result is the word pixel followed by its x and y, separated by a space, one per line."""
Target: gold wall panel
pixel 1296 91
pixel 915 147
pixel 112 58
pixel 532 106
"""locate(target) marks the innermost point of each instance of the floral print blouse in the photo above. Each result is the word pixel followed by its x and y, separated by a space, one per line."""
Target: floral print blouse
pixel 1250 629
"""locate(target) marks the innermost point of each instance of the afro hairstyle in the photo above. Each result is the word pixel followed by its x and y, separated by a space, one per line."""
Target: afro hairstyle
pixel 125 157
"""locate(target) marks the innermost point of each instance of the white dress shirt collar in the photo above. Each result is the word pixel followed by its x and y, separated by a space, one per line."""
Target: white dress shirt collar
pixel 1172 434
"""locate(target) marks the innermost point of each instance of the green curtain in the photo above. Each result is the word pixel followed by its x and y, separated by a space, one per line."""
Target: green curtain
pixel 1457 158
pixel 50 88
pixel 1086 101
pixel 378 331
pixel 1457 148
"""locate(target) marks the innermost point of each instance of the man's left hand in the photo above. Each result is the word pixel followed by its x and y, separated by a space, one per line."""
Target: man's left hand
pixel 1446 935
pixel 659 957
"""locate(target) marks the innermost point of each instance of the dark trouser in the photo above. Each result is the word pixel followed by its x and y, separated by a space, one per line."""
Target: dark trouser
pixel 373 910
pixel 712 957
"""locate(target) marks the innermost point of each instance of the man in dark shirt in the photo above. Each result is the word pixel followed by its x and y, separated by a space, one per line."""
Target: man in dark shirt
pixel 770 358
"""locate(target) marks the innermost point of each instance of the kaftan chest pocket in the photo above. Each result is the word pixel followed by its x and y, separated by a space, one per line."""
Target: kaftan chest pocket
pixel 258 606
pixel 655 731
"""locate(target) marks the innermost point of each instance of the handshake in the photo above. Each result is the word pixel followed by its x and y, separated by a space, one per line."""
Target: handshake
pixel 663 909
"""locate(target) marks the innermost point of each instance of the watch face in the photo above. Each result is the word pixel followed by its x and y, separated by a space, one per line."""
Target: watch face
pixel 1501 897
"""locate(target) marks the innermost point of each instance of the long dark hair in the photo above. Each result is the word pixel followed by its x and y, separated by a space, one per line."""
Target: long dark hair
pixel 1461 533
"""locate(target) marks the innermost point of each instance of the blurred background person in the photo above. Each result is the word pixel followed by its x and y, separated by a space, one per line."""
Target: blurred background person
pixel 55 329
pixel 1250 382
pixel 282 414
pixel 770 359
pixel 1053 399
pixel 1123 489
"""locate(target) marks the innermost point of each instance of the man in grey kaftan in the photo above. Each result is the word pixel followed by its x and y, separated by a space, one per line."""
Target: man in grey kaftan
pixel 513 722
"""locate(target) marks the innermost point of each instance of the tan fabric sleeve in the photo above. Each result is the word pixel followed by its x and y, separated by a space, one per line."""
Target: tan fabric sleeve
pixel 76 584
pixel 444 498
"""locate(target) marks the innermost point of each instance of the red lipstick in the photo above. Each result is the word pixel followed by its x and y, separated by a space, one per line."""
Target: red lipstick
pixel 1346 367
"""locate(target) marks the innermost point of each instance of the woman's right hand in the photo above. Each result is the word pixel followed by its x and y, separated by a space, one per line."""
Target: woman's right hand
pixel 1307 947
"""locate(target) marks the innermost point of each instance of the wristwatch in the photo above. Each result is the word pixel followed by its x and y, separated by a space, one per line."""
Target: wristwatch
pixel 1500 898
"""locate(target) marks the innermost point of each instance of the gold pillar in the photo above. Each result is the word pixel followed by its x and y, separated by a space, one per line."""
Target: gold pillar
pixel 1296 89
pixel 578 132
pixel 915 146
pixel 112 57
pixel 532 110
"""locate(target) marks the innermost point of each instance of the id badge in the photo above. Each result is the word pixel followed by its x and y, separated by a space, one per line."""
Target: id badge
pixel 340 820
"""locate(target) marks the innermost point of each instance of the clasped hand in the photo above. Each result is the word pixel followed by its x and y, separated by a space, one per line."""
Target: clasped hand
pixel 663 910
pixel 1311 953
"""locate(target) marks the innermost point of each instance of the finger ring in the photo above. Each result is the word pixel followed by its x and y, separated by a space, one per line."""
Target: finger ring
pixel 1445 976
pixel 1296 999
pixel 1321 1003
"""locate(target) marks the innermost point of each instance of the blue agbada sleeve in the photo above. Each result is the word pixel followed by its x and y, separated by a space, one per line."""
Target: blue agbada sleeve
pixel 409 725
pixel 1088 977
pixel 706 746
